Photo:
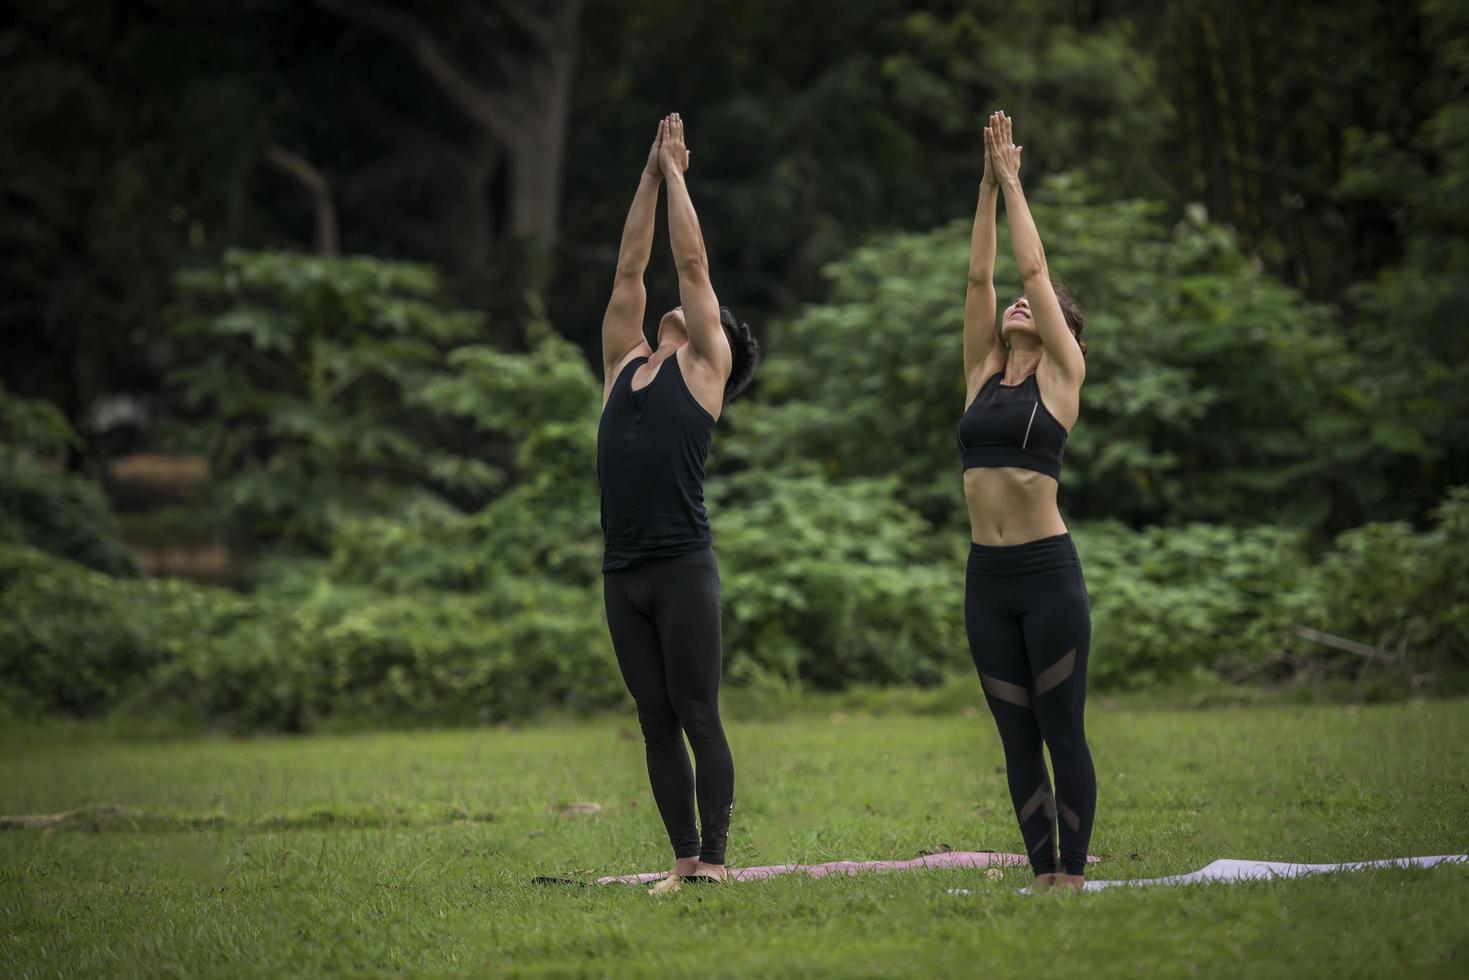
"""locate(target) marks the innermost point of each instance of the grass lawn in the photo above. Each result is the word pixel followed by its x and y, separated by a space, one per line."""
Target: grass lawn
pixel 410 853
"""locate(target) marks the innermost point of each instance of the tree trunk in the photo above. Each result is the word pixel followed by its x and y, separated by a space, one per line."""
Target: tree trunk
pixel 320 189
pixel 538 156
pixel 524 112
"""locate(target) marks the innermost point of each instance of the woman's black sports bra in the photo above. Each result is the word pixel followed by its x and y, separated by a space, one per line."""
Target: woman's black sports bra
pixel 1009 425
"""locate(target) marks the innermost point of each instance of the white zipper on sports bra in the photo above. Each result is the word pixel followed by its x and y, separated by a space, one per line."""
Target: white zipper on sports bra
pixel 1026 441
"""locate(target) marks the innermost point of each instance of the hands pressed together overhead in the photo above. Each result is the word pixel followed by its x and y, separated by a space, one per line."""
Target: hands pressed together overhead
pixel 1001 155
pixel 669 154
pixel 673 154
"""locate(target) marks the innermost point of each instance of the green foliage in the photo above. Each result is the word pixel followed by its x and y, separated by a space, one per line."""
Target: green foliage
pixel 44 506
pixel 72 640
pixel 353 653
pixel 1248 602
pixel 77 642
pixel 1171 601
pixel 837 586
pixel 1093 93
pixel 1397 591
pixel 832 584
pixel 426 615
pixel 34 426
pixel 309 376
pixel 1213 391
pixel 61 513
pixel 1409 316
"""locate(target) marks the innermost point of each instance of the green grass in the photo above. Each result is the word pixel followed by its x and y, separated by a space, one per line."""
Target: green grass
pixel 410 853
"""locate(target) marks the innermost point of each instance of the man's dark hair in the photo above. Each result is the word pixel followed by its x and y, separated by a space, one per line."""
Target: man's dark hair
pixel 746 351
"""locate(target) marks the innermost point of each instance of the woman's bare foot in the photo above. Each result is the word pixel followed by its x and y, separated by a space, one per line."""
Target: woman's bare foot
pixel 689 870
pixel 1044 882
pixel 704 871
pixel 1068 883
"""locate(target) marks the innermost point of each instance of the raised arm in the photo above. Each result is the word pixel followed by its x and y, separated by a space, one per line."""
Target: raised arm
pixel 1061 348
pixel 982 353
pixel 700 307
pixel 622 324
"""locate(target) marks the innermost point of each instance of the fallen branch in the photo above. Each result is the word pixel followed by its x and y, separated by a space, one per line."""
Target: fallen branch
pixel 1342 643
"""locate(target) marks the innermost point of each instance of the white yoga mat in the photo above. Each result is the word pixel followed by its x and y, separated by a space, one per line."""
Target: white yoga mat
pixel 1231 870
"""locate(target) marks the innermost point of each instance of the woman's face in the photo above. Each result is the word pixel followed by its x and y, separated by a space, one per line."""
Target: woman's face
pixel 1017 316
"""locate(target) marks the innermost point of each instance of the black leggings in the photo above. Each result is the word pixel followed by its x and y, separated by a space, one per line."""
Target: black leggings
pixel 664 619
pixel 1029 623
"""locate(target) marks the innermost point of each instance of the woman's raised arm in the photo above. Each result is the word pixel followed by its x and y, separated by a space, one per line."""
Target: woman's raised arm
pixel 1060 346
pixel 982 353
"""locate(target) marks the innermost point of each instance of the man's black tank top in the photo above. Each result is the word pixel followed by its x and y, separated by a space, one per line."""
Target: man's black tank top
pixel 651 448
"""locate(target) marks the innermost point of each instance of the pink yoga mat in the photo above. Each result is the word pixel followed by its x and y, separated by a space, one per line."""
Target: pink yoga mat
pixel 949 859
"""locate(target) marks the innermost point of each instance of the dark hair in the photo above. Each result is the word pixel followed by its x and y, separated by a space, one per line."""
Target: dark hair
pixel 1075 319
pixel 746 351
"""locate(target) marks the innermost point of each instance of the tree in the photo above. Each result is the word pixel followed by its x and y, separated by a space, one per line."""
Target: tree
pixel 1213 391
pixel 506 69
pixel 305 376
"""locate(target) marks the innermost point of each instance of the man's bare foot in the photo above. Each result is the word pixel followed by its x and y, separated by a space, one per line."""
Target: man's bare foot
pixel 670 883
pixel 666 886
pixel 1068 883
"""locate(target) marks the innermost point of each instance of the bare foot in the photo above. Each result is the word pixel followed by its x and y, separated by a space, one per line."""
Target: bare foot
pixel 670 882
pixel 1068 883
pixel 666 886
pixel 1044 883
pixel 711 871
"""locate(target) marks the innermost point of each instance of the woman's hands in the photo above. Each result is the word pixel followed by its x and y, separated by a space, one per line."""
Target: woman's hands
pixel 1001 155
pixel 654 168
pixel 673 155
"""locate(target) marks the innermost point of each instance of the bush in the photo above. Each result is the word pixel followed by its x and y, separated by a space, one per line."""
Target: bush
pixel 1401 594
pixel 1170 601
pixel 307 377
pixel 1384 600
pixel 832 584
pixel 78 642
pixel 59 513
pixel 362 656
pixel 72 640
pixel 45 507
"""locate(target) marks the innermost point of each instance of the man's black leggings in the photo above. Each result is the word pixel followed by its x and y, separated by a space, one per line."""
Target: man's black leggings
pixel 1029 623
pixel 664 620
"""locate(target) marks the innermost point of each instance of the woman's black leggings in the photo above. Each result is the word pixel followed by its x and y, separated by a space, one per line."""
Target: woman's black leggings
pixel 1029 623
pixel 664 619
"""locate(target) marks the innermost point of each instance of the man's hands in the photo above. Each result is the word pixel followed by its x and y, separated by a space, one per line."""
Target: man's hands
pixel 989 177
pixel 654 168
pixel 673 155
pixel 1001 155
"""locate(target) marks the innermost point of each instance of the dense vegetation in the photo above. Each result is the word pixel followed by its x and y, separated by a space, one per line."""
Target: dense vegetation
pixel 1267 479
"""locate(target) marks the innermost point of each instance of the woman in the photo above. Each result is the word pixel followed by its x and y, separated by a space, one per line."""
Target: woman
pixel 1025 602
pixel 660 581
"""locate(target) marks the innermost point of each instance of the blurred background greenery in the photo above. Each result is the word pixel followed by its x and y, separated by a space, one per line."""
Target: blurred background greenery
pixel 301 305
